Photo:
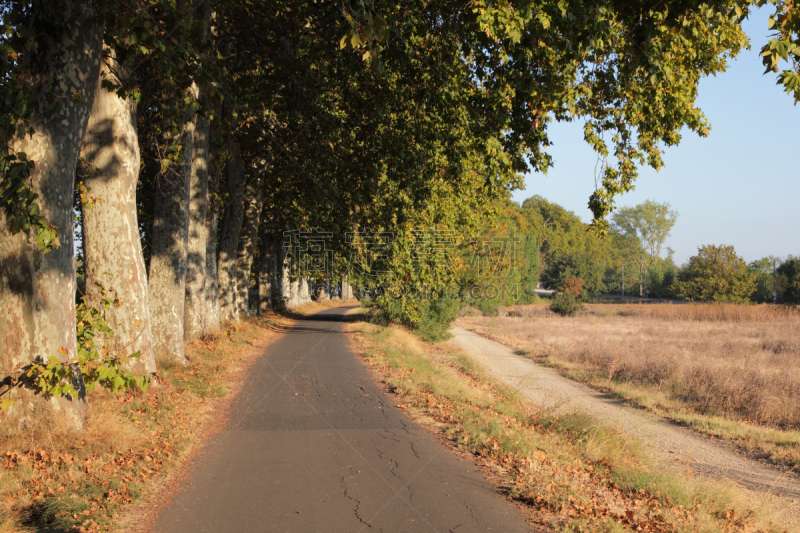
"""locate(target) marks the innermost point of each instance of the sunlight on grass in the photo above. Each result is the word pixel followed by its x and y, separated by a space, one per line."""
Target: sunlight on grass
pixel 729 371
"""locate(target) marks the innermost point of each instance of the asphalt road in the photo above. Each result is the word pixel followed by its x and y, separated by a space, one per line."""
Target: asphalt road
pixel 314 446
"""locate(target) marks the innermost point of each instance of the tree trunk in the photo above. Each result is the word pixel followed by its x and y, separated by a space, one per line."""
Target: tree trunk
pixel 196 309
pixel 229 237
pixel 37 290
pixel 195 305
pixel 168 259
pixel 212 223
pixel 247 244
pixel 304 294
pixel 266 273
pixel 641 277
pixel 347 290
pixel 294 291
pixel 285 281
pixel 111 241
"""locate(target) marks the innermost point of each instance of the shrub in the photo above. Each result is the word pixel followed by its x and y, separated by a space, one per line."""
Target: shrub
pixel 565 304
pixel 436 319
pixel 573 286
pixel 433 316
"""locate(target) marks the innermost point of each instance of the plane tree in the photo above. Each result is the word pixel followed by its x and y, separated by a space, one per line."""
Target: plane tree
pixel 389 118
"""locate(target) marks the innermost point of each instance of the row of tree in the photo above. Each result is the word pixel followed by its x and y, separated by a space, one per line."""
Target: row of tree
pixel 200 131
pixel 634 246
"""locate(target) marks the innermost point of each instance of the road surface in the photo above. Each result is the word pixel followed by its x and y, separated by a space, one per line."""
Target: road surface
pixel 314 446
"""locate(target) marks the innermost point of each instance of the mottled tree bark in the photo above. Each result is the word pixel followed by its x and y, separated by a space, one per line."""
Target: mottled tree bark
pixel 284 279
pixel 247 243
pixel 37 291
pixel 212 222
pixel 168 256
pixel 347 290
pixel 266 273
pixel 195 306
pixel 304 293
pixel 111 241
pixel 229 233
pixel 294 291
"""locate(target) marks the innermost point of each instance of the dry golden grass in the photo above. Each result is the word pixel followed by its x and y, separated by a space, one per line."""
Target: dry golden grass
pixel 741 363
pixel 710 313
pixel 55 478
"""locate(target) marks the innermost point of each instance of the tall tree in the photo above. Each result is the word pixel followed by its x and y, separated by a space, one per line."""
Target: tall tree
pixel 231 228
pixel 52 68
pixel 267 272
pixel 195 320
pixel 646 227
pixel 112 247
pixel 167 276
pixel 211 313
pixel 716 274
pixel 248 237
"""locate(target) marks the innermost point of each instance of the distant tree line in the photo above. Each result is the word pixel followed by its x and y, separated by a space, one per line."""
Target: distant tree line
pixel 569 252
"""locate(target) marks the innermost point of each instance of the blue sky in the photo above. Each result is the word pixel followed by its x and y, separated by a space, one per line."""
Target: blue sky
pixel 739 186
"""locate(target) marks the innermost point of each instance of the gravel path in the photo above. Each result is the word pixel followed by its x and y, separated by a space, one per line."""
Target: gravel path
pixel 681 449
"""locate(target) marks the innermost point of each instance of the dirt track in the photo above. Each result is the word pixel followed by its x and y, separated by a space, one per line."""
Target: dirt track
pixel 684 451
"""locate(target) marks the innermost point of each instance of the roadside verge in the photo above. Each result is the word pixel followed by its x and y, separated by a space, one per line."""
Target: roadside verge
pixel 53 478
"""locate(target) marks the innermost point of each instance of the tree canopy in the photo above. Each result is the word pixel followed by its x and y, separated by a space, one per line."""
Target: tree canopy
pixel 716 274
pixel 244 120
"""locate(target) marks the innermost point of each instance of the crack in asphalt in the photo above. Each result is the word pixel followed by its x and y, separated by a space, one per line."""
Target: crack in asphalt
pixel 392 469
pixel 472 514
pixel 357 505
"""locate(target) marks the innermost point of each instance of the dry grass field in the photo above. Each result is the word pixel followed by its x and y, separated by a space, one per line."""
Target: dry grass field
pixel 731 371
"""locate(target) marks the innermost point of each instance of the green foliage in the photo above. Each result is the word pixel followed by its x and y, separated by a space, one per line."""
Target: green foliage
pixel 644 229
pixel 789 273
pixel 567 247
pixel 716 274
pixel 581 265
pixel 764 271
pixel 565 304
pixel 94 364
pixel 436 316
pixel 784 44
pixel 661 278
pixel 18 201
pixel 436 319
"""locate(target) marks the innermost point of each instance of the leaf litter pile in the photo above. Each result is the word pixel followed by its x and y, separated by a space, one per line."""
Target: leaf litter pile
pixel 568 473
pixel 56 479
